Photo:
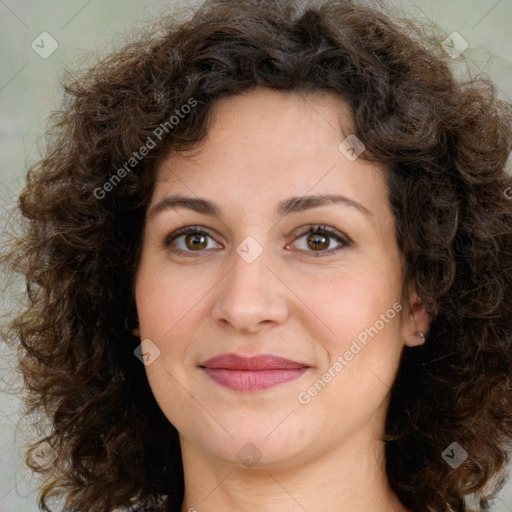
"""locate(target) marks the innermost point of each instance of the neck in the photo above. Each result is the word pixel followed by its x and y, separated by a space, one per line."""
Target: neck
pixel 351 478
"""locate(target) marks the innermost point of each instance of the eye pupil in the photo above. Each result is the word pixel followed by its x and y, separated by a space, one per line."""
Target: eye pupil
pixel 318 244
pixel 195 243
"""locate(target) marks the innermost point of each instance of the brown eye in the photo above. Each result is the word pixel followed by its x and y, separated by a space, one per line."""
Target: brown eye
pixel 318 240
pixel 188 240
pixel 196 241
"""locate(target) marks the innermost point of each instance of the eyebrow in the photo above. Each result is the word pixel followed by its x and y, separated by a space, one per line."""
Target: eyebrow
pixel 291 205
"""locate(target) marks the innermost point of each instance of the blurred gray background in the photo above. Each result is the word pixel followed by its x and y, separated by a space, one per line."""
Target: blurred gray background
pixel 39 38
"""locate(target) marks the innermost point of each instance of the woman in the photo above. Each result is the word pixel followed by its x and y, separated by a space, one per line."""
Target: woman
pixel 269 261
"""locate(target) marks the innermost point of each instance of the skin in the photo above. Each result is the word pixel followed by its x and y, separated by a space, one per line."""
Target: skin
pixel 294 300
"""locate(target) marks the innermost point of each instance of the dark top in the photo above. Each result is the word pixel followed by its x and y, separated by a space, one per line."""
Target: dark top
pixel 159 505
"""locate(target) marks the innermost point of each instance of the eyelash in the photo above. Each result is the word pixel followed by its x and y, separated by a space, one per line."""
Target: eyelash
pixel 316 229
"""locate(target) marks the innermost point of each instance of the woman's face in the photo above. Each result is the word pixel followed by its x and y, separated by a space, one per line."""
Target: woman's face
pixel 255 280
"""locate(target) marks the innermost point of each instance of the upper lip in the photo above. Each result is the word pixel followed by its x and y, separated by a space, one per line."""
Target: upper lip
pixel 259 362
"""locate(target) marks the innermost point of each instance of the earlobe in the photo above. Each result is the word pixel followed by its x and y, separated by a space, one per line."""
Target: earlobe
pixel 136 332
pixel 416 322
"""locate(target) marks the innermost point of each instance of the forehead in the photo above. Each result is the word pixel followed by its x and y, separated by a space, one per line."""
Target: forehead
pixel 284 120
pixel 266 144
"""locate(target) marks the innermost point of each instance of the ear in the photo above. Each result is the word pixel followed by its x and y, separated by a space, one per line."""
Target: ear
pixel 136 332
pixel 415 321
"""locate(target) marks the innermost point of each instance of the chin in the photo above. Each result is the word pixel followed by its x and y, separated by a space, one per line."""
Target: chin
pixel 261 440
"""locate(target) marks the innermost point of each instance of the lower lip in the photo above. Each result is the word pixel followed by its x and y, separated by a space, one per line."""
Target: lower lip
pixel 249 380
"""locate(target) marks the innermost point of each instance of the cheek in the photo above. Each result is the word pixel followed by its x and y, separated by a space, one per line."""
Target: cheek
pixel 166 300
pixel 350 300
pixel 169 311
pixel 168 306
pixel 360 311
pixel 362 358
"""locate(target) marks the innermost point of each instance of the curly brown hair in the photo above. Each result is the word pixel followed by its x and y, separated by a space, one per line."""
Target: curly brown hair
pixel 446 142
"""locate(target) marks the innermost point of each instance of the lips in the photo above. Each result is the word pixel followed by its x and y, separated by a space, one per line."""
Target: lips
pixel 251 374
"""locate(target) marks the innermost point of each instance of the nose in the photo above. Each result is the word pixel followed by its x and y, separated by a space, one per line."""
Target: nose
pixel 251 295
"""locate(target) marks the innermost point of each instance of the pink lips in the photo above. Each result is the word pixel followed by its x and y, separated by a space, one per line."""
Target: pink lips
pixel 255 373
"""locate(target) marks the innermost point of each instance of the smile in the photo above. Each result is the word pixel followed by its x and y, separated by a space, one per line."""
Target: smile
pixel 252 374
